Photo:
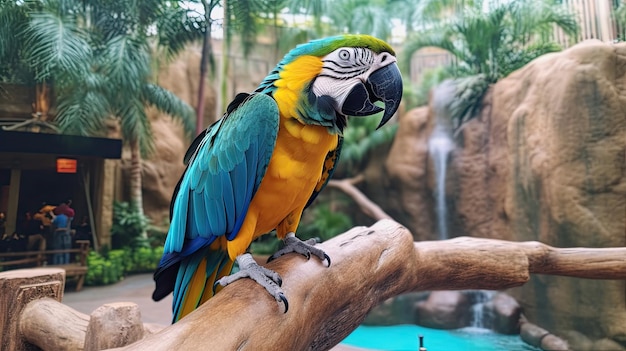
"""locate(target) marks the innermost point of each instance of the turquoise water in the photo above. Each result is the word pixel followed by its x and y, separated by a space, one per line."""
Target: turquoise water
pixel 405 338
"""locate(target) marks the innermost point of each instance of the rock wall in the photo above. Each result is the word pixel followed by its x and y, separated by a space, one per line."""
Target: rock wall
pixel 546 161
pixel 407 195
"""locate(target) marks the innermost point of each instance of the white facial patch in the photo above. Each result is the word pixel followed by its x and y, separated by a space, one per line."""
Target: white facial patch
pixel 342 69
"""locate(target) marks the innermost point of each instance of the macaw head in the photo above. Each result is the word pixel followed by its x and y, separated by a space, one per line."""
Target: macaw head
pixel 324 81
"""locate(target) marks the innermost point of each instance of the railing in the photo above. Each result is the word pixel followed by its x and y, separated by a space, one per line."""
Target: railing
pixel 596 21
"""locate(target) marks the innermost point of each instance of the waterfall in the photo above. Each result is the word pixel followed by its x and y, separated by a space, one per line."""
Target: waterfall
pixel 439 147
pixel 479 319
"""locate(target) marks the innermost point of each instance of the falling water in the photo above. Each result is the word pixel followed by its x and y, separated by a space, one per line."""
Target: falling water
pixel 479 318
pixel 439 147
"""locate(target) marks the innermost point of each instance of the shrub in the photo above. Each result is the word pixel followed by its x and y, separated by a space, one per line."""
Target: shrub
pixel 114 265
pixel 128 226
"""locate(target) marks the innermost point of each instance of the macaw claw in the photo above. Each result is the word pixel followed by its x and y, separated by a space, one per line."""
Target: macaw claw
pixel 327 258
pixel 267 278
pixel 305 248
pixel 284 299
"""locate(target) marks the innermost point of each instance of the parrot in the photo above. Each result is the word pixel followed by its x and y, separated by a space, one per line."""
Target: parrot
pixel 257 168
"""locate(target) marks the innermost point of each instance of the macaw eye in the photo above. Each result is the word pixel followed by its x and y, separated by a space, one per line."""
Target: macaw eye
pixel 344 54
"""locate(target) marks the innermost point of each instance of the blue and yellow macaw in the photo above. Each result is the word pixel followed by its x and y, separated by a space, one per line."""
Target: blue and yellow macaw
pixel 257 168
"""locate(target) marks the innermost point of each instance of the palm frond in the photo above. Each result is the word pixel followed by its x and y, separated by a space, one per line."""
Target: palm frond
pixel 148 11
pixel 135 125
pixel 177 28
pixel 126 63
pixel 242 20
pixel 82 114
pixel 467 98
pixel 316 9
pixel 440 36
pixel 55 47
pixel 12 19
pixel 537 18
pixel 166 101
pixel 83 109
pixel 291 36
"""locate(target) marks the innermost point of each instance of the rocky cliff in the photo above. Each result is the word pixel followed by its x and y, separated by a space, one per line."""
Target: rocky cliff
pixel 546 160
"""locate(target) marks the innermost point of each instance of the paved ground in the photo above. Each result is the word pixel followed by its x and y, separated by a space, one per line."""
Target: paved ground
pixel 135 288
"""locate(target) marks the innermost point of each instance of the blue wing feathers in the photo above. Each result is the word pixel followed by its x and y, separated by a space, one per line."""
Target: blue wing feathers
pixel 252 184
pixel 228 201
pixel 187 268
pixel 239 176
pixel 178 223
pixel 219 183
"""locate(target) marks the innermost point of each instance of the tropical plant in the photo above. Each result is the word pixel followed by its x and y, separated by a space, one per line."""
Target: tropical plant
pixel 97 56
pixel 495 40
pixel 360 139
pixel 128 226
pixel 325 223
pixel 362 16
pixel 112 266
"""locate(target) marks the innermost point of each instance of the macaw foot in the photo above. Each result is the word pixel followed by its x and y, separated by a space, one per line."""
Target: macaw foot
pixel 305 248
pixel 267 278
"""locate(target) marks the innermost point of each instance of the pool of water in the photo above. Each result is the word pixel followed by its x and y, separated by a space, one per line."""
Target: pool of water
pixel 405 338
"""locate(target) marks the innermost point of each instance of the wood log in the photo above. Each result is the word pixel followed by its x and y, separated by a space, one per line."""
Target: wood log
pixel 51 325
pixel 369 265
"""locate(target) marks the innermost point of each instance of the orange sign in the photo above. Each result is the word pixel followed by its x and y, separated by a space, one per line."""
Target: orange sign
pixel 66 165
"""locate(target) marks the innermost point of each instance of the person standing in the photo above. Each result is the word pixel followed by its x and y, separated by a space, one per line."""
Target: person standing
pixel 61 238
pixel 66 209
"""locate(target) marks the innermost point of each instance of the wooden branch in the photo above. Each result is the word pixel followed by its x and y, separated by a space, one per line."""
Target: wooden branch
pixel 51 325
pixel 365 204
pixel 369 265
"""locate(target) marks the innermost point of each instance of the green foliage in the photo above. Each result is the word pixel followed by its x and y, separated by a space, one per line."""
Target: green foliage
pixel 499 40
pixel 493 41
pixel 360 138
pixel 418 95
pixel 465 103
pixel 265 245
pixel 98 58
pixel 362 16
pixel 114 265
pixel 325 223
pixel 128 225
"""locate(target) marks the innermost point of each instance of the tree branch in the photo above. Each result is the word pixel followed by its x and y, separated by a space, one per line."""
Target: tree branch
pixel 369 265
pixel 365 204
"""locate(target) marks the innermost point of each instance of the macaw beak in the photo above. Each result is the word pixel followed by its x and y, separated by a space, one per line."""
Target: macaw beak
pixel 384 84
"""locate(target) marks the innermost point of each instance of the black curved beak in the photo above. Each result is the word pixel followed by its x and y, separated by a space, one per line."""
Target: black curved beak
pixel 384 84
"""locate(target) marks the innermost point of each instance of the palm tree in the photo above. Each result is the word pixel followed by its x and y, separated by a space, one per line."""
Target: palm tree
pixel 489 43
pixel 97 56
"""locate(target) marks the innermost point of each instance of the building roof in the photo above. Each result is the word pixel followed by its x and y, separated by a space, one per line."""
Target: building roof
pixel 59 144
